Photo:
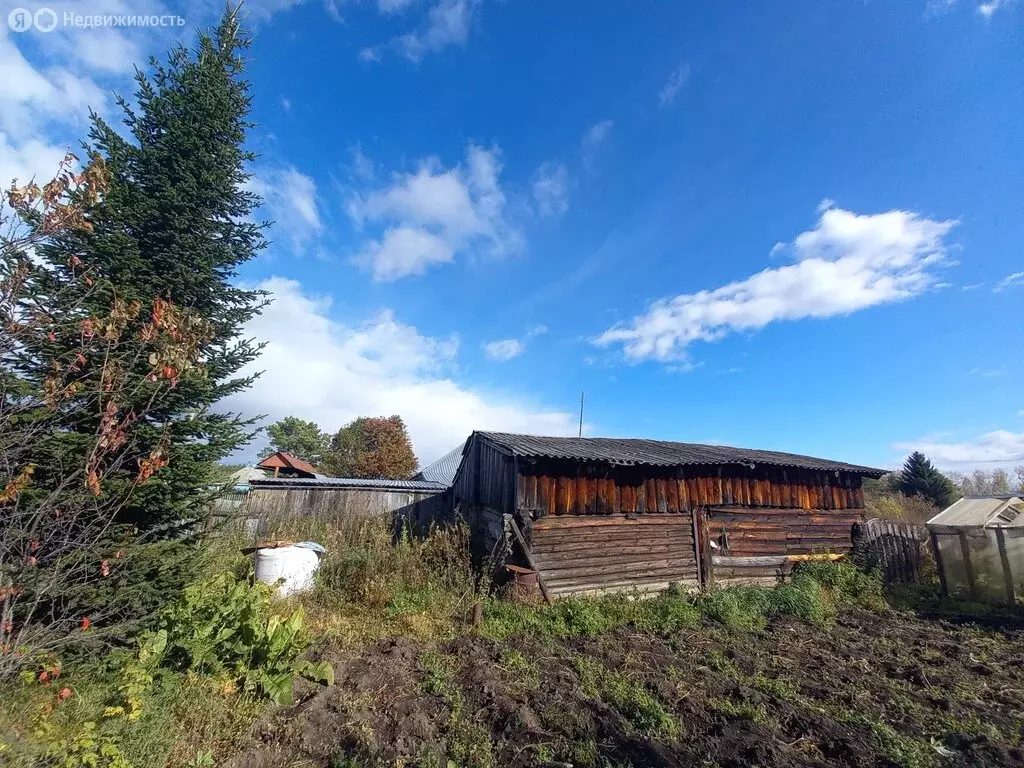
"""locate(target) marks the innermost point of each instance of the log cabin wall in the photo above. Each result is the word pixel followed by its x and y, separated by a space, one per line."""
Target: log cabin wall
pixel 563 488
pixel 613 552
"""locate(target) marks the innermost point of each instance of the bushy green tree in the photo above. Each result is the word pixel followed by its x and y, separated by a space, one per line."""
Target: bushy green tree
pixel 175 223
pixel 372 448
pixel 299 438
pixel 920 478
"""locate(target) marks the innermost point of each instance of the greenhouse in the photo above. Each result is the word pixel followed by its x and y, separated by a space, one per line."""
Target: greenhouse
pixel 978 544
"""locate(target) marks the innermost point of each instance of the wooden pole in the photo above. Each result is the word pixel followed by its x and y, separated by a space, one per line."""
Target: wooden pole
pixel 696 549
pixel 529 559
pixel 1011 599
pixel 934 540
pixel 965 552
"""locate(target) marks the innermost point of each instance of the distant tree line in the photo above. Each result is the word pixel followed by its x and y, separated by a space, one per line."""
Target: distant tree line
pixel 367 447
pixel 919 491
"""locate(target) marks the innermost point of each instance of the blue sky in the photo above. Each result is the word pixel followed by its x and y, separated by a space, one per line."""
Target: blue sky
pixel 777 225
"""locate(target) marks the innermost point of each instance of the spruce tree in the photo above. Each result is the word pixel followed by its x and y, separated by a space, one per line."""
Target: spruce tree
pixel 920 478
pixel 176 223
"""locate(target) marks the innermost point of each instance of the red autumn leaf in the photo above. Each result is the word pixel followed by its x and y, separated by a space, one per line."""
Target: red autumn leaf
pixel 30 560
pixel 65 693
pixel 86 623
pixel 51 336
pixel 44 676
pixel 104 569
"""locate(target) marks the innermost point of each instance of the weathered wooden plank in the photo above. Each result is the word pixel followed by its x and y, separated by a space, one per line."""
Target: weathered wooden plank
pixel 563 498
pixel 672 494
pixel 611 564
pixel 740 562
pixel 611 549
pixel 650 502
pixel 555 539
pixel 564 578
pixel 660 494
pixel 580 501
pixel 581 521
pixel 684 495
pixel 549 495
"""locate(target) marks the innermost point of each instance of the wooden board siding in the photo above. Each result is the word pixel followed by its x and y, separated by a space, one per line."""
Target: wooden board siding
pixel 568 489
pixel 754 531
pixel 610 552
pixel 485 478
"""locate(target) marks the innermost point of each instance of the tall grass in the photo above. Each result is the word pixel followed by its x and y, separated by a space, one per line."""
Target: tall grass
pixel 373 583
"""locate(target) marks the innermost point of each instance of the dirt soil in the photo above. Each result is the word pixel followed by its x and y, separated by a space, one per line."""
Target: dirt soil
pixel 870 690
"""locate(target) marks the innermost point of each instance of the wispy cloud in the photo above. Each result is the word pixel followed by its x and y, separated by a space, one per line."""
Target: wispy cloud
pixel 551 189
pixel 448 23
pixel 1010 281
pixel 290 200
pixel 847 263
pixel 998 447
pixel 595 137
pixel 987 9
pixel 503 350
pixel 434 213
pixel 674 84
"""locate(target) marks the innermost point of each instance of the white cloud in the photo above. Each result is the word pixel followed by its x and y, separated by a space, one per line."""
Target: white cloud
pixel 676 80
pixel 32 98
pixel 848 262
pixel 289 199
pixel 286 105
pixel 1015 279
pixel 362 166
pixel 999 447
pixel 989 8
pixel 369 54
pixel 393 6
pixel 461 208
pixel 404 251
pixel 504 350
pixel 316 368
pixel 448 23
pixel 825 204
pixel 593 140
pixel 28 160
pixel 551 189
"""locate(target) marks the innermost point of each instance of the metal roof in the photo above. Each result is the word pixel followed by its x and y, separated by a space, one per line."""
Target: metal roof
pixel 630 452
pixel 284 460
pixel 973 512
pixel 348 482
pixel 443 470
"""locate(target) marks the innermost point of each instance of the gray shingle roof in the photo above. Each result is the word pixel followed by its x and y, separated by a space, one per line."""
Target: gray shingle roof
pixel 347 482
pixel 443 470
pixel 630 451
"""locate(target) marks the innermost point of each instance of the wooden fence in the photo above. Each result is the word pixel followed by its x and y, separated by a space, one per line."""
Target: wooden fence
pixel 895 549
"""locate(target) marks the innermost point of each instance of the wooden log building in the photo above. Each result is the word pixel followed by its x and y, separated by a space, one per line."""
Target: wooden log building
pixel 603 513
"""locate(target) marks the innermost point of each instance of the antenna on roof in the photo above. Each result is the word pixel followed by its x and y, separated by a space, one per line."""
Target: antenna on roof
pixel 581 414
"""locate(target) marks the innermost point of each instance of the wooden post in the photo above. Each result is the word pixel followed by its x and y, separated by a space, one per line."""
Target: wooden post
pixel 529 559
pixel 937 554
pixel 706 564
pixel 696 549
pixel 1011 599
pixel 965 552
